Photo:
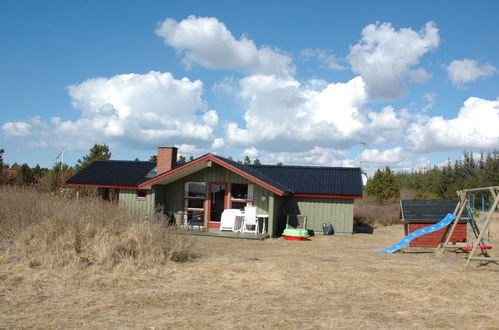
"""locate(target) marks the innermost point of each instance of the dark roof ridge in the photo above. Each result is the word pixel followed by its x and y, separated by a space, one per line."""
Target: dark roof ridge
pixel 305 166
pixel 268 179
pixel 124 161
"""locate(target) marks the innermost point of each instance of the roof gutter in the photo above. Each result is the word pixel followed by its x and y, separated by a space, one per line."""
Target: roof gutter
pixel 101 185
pixel 327 196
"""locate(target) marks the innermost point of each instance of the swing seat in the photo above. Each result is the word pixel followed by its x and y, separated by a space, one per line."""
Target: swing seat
pixel 469 248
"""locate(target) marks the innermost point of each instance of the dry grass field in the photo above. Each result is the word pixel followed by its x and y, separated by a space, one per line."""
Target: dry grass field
pixel 328 282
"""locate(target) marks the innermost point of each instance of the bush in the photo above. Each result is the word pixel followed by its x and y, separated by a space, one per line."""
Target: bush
pixel 383 186
pixel 427 195
pixel 368 212
pixel 54 232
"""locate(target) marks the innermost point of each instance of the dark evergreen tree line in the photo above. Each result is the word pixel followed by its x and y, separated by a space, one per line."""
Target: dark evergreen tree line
pixel 443 182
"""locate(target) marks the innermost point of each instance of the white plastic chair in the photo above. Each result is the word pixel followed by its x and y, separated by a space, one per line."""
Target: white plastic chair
pixel 250 220
pixel 228 220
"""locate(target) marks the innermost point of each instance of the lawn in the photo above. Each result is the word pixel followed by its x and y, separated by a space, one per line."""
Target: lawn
pixel 328 282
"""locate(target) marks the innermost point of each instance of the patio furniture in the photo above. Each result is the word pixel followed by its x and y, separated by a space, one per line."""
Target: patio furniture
pixel 265 222
pixel 228 219
pixel 195 219
pixel 250 220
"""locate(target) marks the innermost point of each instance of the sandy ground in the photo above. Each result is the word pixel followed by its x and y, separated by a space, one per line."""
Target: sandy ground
pixel 328 282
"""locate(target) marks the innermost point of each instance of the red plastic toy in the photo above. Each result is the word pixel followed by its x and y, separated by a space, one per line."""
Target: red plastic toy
pixel 482 247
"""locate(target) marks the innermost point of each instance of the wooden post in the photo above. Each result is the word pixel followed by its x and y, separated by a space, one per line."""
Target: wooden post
pixel 460 206
pixel 479 238
pixel 77 195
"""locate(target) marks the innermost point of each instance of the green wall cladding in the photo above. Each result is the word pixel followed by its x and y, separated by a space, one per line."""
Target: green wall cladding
pixel 320 210
pixel 128 198
pixel 171 195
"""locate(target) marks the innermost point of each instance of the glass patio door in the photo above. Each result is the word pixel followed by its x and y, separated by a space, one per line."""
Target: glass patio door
pixel 218 193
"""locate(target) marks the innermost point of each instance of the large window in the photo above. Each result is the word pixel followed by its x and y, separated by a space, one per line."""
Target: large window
pixel 241 195
pixel 194 197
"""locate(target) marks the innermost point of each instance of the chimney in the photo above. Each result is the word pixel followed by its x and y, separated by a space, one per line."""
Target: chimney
pixel 167 159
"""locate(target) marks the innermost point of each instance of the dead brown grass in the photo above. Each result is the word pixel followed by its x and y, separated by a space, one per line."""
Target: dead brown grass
pixel 367 211
pixel 328 282
pixel 52 232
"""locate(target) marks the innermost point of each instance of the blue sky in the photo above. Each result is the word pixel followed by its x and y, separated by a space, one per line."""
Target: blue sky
pixel 371 84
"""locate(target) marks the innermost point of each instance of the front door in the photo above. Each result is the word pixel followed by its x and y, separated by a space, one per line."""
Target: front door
pixel 218 193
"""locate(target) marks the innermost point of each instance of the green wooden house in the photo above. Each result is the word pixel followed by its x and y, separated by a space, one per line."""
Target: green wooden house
pixel 206 186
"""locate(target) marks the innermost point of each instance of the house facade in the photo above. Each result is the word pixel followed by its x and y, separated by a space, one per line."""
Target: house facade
pixel 204 187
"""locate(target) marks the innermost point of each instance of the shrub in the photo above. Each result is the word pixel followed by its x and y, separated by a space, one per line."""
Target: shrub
pixel 383 186
pixel 427 195
pixel 368 211
pixel 55 232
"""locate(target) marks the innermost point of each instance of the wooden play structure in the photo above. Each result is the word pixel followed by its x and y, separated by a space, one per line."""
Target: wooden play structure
pixel 479 243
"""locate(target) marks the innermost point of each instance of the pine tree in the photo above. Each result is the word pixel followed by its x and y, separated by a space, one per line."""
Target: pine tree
pixel 383 186
pixel 97 152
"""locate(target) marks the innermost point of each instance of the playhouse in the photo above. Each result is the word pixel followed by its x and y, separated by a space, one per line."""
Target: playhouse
pixel 418 214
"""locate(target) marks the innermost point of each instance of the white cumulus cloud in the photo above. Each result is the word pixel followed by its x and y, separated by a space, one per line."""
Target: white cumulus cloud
pixel 385 58
pixel 396 158
pixel 208 42
pixel 464 71
pixel 475 127
pixel 18 128
pixel 134 110
pixel 281 114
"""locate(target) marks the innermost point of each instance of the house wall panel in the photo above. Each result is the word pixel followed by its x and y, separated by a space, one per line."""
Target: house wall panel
pixel 145 206
pixel 320 210
pixel 171 195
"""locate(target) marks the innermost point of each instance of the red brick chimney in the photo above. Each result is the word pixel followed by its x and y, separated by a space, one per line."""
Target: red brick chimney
pixel 167 159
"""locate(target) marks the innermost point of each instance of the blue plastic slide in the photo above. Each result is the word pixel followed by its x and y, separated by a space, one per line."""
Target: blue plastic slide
pixel 420 232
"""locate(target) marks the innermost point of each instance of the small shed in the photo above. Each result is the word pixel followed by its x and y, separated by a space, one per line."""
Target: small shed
pixel 417 214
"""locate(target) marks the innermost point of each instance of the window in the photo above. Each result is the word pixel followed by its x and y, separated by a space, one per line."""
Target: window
pixel 194 197
pixel 241 195
pixel 195 189
pixel 141 193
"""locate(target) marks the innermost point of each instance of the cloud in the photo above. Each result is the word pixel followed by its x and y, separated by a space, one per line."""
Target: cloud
pixel 385 58
pixel 396 157
pixel 386 119
pixel 134 110
pixel 325 57
pixel 281 114
pixel 464 71
pixel 251 152
pixel 431 98
pixel 208 42
pixel 18 128
pixel 475 127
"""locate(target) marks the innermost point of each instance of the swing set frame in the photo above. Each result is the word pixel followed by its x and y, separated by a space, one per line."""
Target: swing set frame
pixel 464 200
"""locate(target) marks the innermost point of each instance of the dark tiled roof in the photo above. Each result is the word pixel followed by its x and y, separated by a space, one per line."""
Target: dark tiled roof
pixel 113 173
pixel 427 210
pixel 314 179
pixel 257 174
pixel 290 179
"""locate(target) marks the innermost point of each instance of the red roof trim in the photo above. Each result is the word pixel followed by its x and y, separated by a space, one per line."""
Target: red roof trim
pixel 219 162
pixel 101 185
pixel 174 171
pixel 328 196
